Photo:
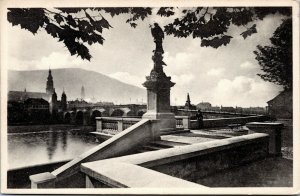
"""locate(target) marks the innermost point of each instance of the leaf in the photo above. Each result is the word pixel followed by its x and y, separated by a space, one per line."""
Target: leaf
pixel 249 31
pixel 71 10
pixel 132 24
pixel 114 11
pixel 30 19
pixel 97 26
pixel 89 17
pixel 242 16
pixel 104 23
pixel 216 41
pixel 83 51
pixel 71 21
pixel 52 29
pixel 58 18
pixel 85 26
pixel 165 11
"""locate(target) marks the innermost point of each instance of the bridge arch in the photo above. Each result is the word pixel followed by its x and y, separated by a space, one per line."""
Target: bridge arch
pixel 95 113
pixel 141 112
pixel 67 117
pixel 117 112
pixel 79 118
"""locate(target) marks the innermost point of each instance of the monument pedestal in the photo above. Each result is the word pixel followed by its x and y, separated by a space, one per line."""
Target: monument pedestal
pixel 158 100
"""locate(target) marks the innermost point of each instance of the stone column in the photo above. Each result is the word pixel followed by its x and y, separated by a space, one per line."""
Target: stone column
pixel 158 100
pixel 186 122
pixel 158 86
pixel 120 125
pixel 98 124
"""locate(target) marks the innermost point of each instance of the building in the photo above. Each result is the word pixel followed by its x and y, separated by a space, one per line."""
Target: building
pixel 22 104
pixel 281 106
pixel 36 110
pixel 204 106
pixel 21 96
pixel 78 104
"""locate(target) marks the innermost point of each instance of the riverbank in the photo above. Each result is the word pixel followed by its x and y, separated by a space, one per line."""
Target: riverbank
pixel 47 128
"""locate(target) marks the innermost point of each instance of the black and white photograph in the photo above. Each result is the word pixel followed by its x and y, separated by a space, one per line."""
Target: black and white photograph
pixel 150 97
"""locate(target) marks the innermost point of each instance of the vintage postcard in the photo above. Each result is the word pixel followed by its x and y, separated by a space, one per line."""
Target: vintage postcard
pixel 150 97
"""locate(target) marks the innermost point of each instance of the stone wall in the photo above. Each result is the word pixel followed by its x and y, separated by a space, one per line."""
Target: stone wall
pixel 195 168
pixel 19 177
pixel 174 167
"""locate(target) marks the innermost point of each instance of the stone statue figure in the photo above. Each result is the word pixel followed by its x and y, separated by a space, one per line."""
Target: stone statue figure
pixel 158 36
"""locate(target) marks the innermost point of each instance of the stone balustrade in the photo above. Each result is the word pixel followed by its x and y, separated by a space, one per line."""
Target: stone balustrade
pixel 183 122
pixel 113 125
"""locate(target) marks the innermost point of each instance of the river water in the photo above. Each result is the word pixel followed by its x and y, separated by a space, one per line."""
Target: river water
pixel 27 149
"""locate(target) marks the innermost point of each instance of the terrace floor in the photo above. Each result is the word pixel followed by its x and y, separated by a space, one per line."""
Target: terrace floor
pixel 269 172
pixel 205 135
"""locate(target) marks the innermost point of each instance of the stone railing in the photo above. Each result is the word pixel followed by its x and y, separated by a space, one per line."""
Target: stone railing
pixel 179 123
pixel 112 126
pixel 69 175
pixel 183 122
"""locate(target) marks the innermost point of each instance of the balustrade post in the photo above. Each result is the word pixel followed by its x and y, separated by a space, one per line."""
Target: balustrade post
pixel 99 124
pixel 120 125
pixel 42 180
pixel 274 131
pixel 186 122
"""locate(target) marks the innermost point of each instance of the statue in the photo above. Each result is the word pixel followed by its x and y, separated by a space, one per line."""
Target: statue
pixel 158 36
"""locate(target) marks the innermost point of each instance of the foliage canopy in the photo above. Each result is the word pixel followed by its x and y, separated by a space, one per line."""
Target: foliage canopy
pixel 79 27
pixel 276 60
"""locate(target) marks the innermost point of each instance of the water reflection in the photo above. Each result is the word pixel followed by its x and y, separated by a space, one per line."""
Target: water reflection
pixel 64 140
pixel 50 146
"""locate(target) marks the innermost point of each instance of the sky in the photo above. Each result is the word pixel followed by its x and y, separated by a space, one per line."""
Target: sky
pixel 225 76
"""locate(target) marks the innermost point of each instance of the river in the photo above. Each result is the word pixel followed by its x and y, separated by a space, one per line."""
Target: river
pixel 47 146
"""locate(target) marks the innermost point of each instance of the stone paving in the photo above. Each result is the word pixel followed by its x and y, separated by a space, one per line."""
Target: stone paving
pixel 205 135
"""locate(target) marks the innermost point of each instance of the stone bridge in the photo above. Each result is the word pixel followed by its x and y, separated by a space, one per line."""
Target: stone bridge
pixel 86 115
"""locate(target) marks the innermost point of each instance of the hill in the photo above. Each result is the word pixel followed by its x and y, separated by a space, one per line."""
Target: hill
pixel 97 85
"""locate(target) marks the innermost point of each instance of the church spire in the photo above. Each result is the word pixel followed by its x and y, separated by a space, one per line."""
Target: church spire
pixel 188 98
pixel 188 102
pixel 82 93
pixel 50 85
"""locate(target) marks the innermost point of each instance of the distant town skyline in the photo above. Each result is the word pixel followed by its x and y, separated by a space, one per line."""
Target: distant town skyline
pixel 224 76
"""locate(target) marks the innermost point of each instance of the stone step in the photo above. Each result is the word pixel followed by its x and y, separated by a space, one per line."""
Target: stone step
pixel 151 147
pixel 101 135
pixel 141 150
pixel 167 144
pixel 172 132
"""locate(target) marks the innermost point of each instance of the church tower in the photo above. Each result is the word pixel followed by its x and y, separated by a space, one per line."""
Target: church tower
pixel 50 86
pixel 82 93
pixel 64 101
